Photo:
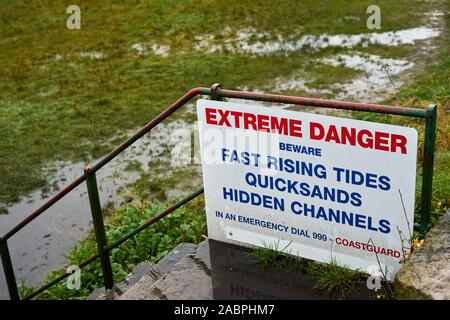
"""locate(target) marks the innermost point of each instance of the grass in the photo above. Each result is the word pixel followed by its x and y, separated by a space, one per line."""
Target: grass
pixel 58 105
pixel 187 224
pixel 327 75
pixel 163 179
pixel 336 280
pixel 331 278
pixel 271 254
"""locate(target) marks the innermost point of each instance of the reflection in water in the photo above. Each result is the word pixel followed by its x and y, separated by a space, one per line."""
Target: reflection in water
pixel 237 275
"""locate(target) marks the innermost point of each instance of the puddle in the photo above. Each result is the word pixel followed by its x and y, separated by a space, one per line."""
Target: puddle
pixel 244 43
pixel 92 55
pixel 157 49
pixel 381 77
pixel 435 16
pixel 377 78
pixel 139 48
pixel 282 84
pixel 237 275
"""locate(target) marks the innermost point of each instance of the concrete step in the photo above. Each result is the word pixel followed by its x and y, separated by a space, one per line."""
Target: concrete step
pixel 138 284
pixel 183 274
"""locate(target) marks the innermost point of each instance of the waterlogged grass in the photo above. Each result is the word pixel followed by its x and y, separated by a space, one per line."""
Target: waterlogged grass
pixel 186 224
pixel 56 104
pixel 327 75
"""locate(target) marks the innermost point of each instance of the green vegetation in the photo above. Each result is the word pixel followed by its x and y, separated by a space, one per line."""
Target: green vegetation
pixel 186 224
pixel 155 185
pixel 338 281
pixel 327 75
pixel 271 254
pixel 335 280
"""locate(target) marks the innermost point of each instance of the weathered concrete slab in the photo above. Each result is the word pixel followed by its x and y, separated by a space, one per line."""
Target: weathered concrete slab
pixel 169 261
pixel 426 274
pixel 101 294
pixel 142 290
pixel 202 255
pixel 138 272
pixel 186 281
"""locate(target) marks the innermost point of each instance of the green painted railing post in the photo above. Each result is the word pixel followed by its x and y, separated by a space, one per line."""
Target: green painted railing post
pixel 8 270
pixel 99 227
pixel 427 172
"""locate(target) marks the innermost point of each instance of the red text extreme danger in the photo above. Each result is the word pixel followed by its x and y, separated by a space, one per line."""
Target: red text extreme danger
pixel 363 138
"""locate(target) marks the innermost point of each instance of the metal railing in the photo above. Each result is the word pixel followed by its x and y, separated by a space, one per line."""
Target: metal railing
pixel 216 93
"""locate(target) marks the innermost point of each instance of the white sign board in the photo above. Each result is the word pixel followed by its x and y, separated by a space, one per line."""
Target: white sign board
pixel 320 187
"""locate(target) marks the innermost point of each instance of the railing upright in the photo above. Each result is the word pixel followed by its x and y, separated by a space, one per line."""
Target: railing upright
pixel 9 270
pixel 427 173
pixel 99 227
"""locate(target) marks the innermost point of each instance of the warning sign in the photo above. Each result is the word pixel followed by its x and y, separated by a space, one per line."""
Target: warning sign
pixel 320 187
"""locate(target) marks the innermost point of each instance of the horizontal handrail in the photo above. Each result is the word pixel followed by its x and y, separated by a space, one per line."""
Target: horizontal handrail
pixel 330 104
